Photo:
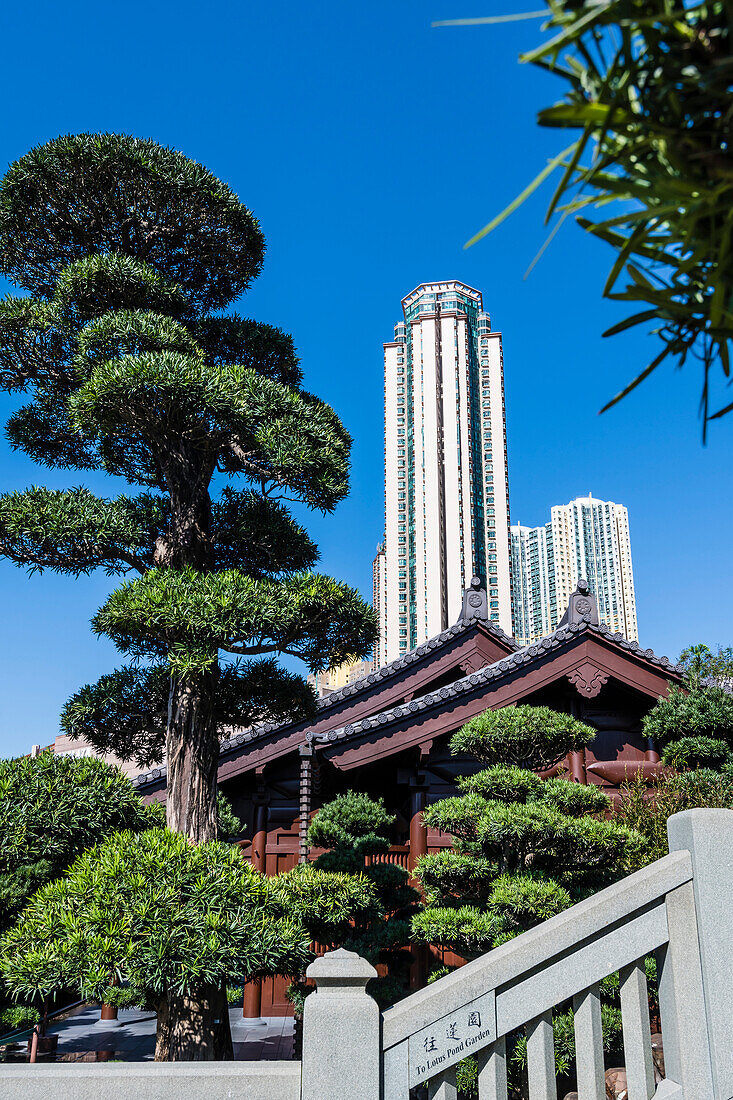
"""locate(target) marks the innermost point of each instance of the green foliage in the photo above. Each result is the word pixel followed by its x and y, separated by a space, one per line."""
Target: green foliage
pixel 352 820
pixel 467 928
pixel 96 285
pixel 451 874
pixel 553 833
pixel 189 615
pixel 699 712
pixel 324 901
pixel 693 727
pixel 128 252
pixel 228 825
pixel 521 901
pixel 18 1018
pixel 354 827
pixel 158 914
pixel 696 752
pixel 51 809
pixel 575 799
pixel 72 531
pixel 260 347
pixel 527 737
pixel 185 222
pixel 647 85
pixel 645 808
pixel 126 711
pixel 563 1025
pixel 701 663
pixel 504 782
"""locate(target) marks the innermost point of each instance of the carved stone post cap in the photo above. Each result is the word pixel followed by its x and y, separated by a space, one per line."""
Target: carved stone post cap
pixel 341 968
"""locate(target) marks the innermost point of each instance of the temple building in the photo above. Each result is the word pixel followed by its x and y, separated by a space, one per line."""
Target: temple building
pixel 388 733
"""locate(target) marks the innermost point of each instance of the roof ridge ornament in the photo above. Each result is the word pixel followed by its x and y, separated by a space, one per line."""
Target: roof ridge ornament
pixel 582 608
pixel 475 602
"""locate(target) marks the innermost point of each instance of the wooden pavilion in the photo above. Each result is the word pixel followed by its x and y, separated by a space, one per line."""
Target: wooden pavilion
pixel 388 733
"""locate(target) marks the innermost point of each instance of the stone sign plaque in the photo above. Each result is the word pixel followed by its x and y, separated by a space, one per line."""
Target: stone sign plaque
pixel 452 1038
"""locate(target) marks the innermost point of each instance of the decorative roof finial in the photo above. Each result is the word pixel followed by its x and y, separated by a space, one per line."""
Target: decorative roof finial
pixel 583 606
pixel 475 602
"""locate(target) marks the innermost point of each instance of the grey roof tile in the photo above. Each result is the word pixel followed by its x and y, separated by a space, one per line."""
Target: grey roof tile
pixel 495 671
pixel 482 676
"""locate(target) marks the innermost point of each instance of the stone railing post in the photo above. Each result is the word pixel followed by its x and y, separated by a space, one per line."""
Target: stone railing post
pixel 708 836
pixel 341 1031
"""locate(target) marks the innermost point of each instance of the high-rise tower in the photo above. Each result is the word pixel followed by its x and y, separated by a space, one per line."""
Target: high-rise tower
pixel 446 485
pixel 586 538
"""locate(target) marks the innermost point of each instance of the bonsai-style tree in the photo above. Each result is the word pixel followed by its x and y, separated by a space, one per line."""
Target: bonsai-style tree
pixel 152 920
pixel 354 827
pixel 693 727
pixel 127 253
pixel 525 848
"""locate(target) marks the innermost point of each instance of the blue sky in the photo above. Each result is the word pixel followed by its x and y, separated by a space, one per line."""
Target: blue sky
pixel 371 146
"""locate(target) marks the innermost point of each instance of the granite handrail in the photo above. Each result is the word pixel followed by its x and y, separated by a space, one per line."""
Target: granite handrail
pixel 679 908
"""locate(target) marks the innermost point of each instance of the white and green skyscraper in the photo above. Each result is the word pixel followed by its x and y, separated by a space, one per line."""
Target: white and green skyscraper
pixel 586 538
pixel 445 468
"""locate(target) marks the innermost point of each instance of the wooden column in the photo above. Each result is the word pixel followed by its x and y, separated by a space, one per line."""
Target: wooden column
pixel 259 839
pixel 306 791
pixel 576 763
pixel 418 847
pixel 651 754
pixel 252 1004
pixel 576 760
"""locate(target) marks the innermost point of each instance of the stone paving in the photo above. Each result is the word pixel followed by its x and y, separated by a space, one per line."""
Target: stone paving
pixel 82 1037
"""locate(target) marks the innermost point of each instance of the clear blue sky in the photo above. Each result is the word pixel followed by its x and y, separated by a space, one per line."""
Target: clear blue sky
pixel 371 146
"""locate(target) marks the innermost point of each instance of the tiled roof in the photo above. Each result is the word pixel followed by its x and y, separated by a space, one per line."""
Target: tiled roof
pixel 486 675
pixel 350 690
pixel 412 657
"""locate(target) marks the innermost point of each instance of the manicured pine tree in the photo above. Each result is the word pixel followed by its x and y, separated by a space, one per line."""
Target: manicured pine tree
pixel 127 253
pixel 525 848
pixel 354 827
pixel 693 726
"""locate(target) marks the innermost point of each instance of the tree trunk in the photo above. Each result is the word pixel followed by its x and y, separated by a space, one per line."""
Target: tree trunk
pixel 162 1031
pixel 192 756
pixel 193 1027
pixel 197 1026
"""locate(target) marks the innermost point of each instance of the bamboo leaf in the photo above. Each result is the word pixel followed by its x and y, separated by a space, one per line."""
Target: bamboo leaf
pixel 529 190
pixel 484 19
pixel 629 322
pixel 639 379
